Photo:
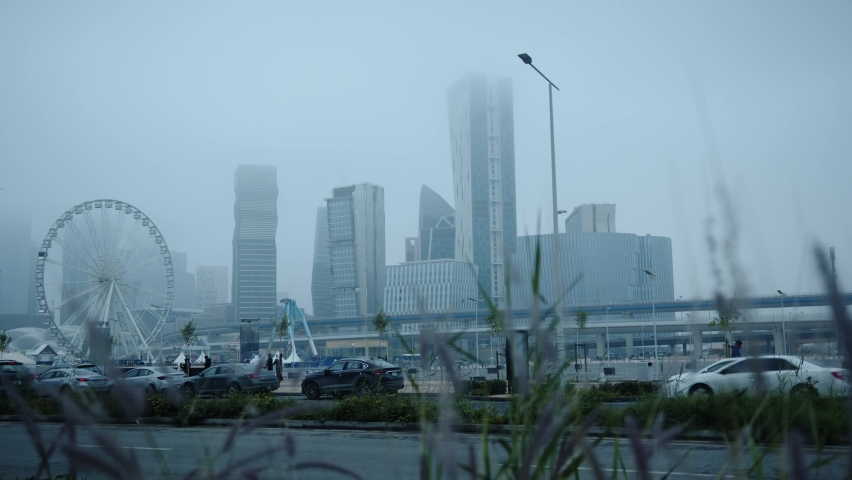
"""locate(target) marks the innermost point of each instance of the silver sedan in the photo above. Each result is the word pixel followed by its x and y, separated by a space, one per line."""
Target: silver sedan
pixel 152 379
pixel 61 381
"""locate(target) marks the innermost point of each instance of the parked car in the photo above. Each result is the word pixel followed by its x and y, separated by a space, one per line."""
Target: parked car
pixel 230 378
pixel 353 375
pixel 775 373
pixel 74 366
pixel 153 379
pixel 15 375
pixel 61 381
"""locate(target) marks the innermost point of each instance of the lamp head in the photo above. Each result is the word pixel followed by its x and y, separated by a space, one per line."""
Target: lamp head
pixel 780 292
pixel 526 58
pixel 650 273
pixel 560 212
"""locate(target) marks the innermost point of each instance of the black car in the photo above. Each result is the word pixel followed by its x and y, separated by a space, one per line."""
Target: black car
pixel 15 375
pixel 353 375
pixel 230 378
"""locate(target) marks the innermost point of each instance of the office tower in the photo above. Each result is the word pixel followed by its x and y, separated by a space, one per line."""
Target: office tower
pixel 321 278
pixel 256 220
pixel 185 296
pixel 483 154
pixel 17 263
pixel 356 242
pixel 431 286
pixel 211 286
pixel 604 269
pixel 591 218
pixel 437 227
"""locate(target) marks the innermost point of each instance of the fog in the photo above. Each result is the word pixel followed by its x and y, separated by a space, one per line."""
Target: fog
pixel 157 104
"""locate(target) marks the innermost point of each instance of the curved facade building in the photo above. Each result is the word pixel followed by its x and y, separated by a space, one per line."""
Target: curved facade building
pixel 256 221
pixel 603 268
pixel 437 238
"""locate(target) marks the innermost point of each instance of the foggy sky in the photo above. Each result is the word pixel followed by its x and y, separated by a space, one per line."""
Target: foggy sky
pixel 156 104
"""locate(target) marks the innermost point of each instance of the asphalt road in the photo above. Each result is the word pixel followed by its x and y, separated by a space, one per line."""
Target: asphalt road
pixel 166 452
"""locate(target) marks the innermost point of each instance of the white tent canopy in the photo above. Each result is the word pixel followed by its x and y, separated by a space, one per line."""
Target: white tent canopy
pixel 200 358
pixel 293 358
pixel 180 359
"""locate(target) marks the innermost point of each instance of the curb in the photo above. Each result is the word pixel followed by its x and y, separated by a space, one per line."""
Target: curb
pixel 700 435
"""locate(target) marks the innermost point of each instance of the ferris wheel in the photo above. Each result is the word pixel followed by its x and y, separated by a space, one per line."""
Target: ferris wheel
pixel 105 264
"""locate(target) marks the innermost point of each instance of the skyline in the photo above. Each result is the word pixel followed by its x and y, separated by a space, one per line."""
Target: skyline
pixel 94 109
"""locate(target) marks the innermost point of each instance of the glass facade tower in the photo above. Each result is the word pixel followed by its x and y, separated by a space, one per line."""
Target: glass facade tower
pixel 256 222
pixel 356 243
pixel 483 155
pixel 321 276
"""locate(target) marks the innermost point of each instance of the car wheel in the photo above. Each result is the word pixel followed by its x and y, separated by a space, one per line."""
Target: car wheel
pixel 362 389
pixel 234 389
pixel 700 389
pixel 804 390
pixel 150 389
pixel 312 391
pixel 188 390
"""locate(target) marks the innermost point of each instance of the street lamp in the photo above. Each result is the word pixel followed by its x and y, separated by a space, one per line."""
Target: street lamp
pixel 366 351
pixel 654 314
pixel 783 322
pixel 476 329
pixel 557 272
pixel 607 334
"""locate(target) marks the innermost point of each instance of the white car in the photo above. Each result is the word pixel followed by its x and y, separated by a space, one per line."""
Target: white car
pixel 153 379
pixel 772 373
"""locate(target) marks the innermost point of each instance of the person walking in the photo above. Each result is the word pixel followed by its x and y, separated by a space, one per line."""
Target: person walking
pixel 207 362
pixel 278 366
pixel 269 362
pixel 736 350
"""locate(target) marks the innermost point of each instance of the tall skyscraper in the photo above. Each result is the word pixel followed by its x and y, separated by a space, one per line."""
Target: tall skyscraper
pixel 17 263
pixel 483 152
pixel 591 218
pixel 437 227
pixel 185 296
pixel 321 277
pixel 211 286
pixel 256 221
pixel 356 241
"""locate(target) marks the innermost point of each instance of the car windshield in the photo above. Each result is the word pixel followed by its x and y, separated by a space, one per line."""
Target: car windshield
pixel 82 372
pixel 383 364
pixel 817 364
pixel 718 365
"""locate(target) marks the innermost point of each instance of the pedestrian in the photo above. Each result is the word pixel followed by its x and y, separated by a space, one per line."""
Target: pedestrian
pixel 207 362
pixel 736 349
pixel 278 366
pixel 269 362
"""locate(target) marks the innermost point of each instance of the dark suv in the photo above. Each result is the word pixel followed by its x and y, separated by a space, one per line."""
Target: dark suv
pixel 357 375
pixel 15 375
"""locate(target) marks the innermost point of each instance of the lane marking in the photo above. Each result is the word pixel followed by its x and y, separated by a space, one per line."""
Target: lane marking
pixel 127 448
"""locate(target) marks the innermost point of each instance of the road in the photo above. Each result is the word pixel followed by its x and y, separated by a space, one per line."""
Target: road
pixel 167 452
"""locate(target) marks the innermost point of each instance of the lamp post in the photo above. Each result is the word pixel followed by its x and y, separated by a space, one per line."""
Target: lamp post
pixel 653 313
pixel 607 334
pixel 783 321
pixel 366 348
pixel 476 330
pixel 557 251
